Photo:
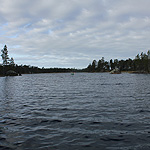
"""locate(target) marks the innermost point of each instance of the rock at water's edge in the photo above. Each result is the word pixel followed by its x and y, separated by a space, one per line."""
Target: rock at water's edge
pixel 11 73
pixel 115 71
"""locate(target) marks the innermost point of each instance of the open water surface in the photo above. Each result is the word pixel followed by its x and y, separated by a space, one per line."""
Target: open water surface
pixel 85 111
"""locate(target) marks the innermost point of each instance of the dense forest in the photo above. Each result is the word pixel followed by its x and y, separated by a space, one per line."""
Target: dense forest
pixel 141 64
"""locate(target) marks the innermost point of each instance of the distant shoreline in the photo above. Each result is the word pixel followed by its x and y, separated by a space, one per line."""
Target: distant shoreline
pixel 130 72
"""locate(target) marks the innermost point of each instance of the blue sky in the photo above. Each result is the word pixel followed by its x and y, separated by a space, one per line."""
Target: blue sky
pixel 71 33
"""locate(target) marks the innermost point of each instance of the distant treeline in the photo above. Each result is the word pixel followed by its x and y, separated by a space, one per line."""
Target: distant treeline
pixel 140 64
pixel 9 67
pixel 25 69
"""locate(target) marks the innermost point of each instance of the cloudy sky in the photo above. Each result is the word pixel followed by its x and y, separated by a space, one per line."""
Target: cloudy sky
pixel 71 33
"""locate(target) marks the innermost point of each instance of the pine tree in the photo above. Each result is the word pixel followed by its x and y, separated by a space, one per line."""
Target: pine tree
pixel 11 61
pixel 148 53
pixel 5 56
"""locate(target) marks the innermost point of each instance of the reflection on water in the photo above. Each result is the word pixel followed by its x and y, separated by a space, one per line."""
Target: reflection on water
pixel 84 111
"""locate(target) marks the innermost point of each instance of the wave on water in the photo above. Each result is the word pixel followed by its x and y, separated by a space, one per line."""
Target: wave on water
pixel 84 111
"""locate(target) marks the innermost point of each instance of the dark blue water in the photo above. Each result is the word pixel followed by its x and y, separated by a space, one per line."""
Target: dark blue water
pixel 85 111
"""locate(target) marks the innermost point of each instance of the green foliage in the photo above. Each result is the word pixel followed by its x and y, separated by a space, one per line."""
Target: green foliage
pixel 141 63
pixel 12 63
pixel 8 64
pixel 24 69
pixel 4 55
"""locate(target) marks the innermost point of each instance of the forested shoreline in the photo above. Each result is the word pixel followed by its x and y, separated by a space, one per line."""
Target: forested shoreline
pixel 9 65
pixel 26 69
pixel 141 64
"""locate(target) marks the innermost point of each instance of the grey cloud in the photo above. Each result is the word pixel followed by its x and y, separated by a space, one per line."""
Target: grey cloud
pixel 71 33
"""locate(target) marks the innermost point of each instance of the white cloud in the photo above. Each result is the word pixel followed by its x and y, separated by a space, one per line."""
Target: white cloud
pixel 71 33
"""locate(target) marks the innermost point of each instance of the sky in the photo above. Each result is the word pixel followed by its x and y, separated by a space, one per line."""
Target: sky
pixel 72 33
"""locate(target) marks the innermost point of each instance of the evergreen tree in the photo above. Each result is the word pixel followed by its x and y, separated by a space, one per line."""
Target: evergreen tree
pixel 99 68
pixel 11 61
pixel 112 64
pixel 89 68
pixel 137 62
pixel 148 54
pixel 116 63
pixel 94 64
pixel 103 64
pixel 5 56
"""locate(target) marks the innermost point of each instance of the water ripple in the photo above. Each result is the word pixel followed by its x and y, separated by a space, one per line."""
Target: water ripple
pixel 84 111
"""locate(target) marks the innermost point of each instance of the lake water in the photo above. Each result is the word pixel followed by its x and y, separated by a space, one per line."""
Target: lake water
pixel 85 111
